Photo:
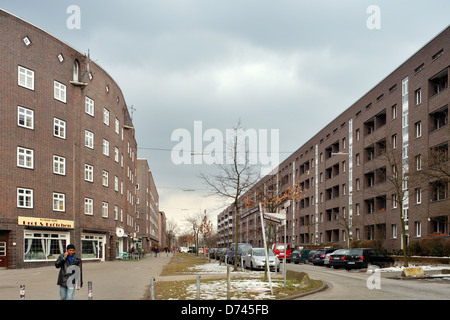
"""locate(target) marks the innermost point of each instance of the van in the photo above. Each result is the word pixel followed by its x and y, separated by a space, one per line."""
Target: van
pixel 279 250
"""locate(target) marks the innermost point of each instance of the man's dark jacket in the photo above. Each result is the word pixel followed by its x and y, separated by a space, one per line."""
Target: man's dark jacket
pixel 64 274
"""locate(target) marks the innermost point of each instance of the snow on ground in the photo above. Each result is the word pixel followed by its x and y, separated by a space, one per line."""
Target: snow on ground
pixel 217 290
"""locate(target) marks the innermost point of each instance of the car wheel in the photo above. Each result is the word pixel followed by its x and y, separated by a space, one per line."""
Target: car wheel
pixel 251 265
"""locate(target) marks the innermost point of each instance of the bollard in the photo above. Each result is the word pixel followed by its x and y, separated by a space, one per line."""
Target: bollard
pixel 89 290
pixel 198 287
pixel 22 292
pixel 152 288
pixel 228 284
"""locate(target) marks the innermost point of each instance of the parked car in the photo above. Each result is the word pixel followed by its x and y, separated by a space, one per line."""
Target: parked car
pixel 224 255
pixel 311 256
pixel 280 249
pixel 231 254
pixel 218 253
pixel 338 258
pixel 295 256
pixel 362 258
pixel 304 253
pixel 319 256
pixel 256 259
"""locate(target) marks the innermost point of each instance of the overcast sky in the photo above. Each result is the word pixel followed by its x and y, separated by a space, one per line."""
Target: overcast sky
pixel 291 66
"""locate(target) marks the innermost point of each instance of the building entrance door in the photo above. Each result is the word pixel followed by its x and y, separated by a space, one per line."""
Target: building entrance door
pixel 3 249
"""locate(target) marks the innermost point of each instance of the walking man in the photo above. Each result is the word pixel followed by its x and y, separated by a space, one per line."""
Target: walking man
pixel 70 273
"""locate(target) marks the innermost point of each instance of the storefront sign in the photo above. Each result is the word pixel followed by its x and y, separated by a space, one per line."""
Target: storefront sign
pixel 44 222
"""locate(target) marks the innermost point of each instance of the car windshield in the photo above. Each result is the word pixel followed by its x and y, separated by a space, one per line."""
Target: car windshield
pixel 280 247
pixel 261 252
pixel 341 251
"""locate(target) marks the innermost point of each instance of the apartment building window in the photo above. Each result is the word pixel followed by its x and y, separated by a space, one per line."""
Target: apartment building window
pixel 25 117
pixel 418 226
pixel 358 134
pixel 394 231
pixel 88 206
pixel 116 154
pixel 59 128
pixel 419 162
pixel 89 139
pixel 106 147
pixel 116 126
pixel 59 91
pixel 105 178
pixel 357 209
pixel 89 106
pixel 394 201
pixel 116 183
pixel 59 200
pixel 358 159
pixel 394 112
pixel 418 195
pixel 106 116
pixel 116 213
pixel 25 158
pixel 358 184
pixel 418 96
pixel 418 126
pixel 59 165
pixel 394 141
pixel 88 173
pixel 105 209
pixel 24 198
pixel 25 78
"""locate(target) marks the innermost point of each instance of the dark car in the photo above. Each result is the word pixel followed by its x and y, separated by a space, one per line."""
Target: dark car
pixel 362 258
pixel 242 247
pixel 218 253
pixel 310 256
pixel 304 254
pixel 295 256
pixel 319 256
pixel 338 259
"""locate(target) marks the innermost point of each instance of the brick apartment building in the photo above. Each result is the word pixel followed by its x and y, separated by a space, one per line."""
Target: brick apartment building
pixel 68 155
pixel 346 171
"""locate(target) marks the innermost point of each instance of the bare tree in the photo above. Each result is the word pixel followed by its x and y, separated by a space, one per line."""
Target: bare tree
pixel 171 231
pixel 195 221
pixel 234 177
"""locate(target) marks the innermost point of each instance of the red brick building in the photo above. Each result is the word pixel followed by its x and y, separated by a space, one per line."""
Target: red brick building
pixel 397 129
pixel 68 153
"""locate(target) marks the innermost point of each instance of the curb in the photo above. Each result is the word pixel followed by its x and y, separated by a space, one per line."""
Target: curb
pixel 293 297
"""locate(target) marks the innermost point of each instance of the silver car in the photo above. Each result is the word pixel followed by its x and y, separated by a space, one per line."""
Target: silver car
pixel 256 259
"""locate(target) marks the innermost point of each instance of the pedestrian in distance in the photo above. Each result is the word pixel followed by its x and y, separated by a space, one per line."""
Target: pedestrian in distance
pixel 70 273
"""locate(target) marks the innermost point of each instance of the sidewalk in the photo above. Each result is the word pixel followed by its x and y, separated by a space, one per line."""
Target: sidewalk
pixel 111 280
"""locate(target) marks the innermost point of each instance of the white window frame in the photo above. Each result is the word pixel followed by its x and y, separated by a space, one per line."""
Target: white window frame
pixel 88 172
pixel 106 147
pixel 89 106
pixel 418 127
pixel 418 226
pixel 116 183
pixel 88 139
pixel 105 178
pixel 26 116
pixel 117 126
pixel 25 196
pixel 25 156
pixel 105 206
pixel 418 193
pixel 59 128
pixel 25 78
pixel 88 206
pixel 106 116
pixel 60 91
pixel 59 165
pixel 116 154
pixel 59 202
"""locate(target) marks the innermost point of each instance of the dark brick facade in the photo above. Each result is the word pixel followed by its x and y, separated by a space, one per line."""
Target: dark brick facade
pixel 43 57
pixel 372 116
